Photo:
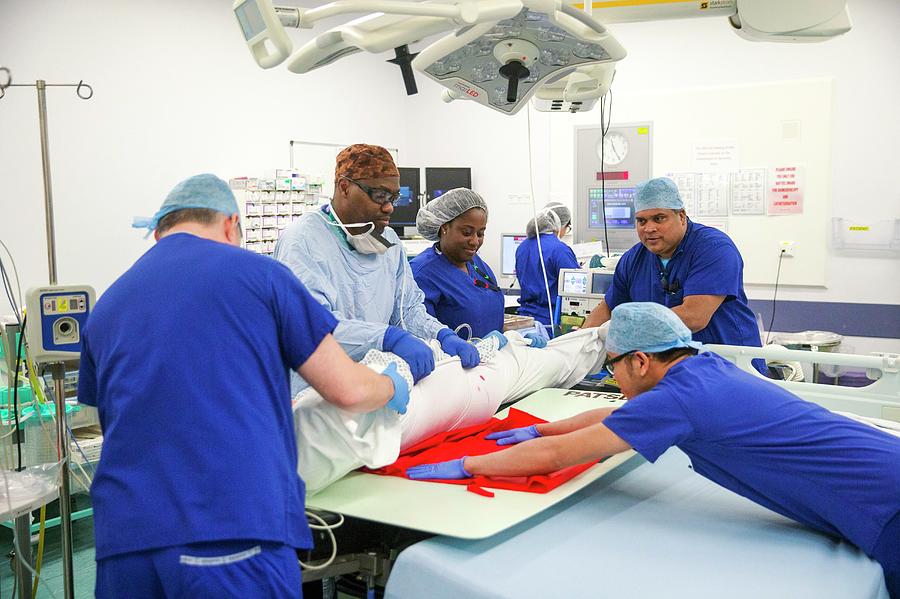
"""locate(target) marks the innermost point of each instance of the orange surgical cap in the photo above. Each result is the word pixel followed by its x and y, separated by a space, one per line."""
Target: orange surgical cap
pixel 364 161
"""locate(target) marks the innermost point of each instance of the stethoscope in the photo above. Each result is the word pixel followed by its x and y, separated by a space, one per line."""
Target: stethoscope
pixel 486 281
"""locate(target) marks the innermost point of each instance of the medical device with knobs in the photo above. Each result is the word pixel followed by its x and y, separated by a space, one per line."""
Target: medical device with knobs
pixel 56 318
pixel 570 87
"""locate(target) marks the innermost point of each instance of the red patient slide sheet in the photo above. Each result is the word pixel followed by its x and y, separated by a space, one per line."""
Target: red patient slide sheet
pixel 471 441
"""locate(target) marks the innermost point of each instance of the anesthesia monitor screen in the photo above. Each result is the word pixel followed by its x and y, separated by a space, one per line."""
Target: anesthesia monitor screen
pixel 508 245
pixel 405 198
pixel 575 282
pixel 619 208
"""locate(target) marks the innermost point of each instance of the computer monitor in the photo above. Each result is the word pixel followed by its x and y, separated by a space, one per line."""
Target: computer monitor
pixel 601 282
pixel 508 244
pixel 575 281
pixel 619 208
pixel 439 180
pixel 407 205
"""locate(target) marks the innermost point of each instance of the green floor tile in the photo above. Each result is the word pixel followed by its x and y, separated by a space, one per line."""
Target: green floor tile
pixel 83 565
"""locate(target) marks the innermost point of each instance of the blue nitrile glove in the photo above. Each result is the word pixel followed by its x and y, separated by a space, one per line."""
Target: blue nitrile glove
pixel 401 389
pixel 515 435
pixel 441 471
pixel 537 341
pixel 453 345
pixel 414 352
pixel 500 337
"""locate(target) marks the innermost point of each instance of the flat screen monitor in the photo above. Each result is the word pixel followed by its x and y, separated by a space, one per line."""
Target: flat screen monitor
pixel 619 208
pixel 601 282
pixel 407 205
pixel 508 244
pixel 439 180
pixel 575 281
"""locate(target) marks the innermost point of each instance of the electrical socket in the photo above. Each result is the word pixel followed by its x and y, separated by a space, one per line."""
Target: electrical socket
pixel 786 248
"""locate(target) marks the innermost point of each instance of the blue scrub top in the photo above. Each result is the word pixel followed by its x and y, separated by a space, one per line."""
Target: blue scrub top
pixel 759 440
pixel 186 358
pixel 557 255
pixel 706 262
pixel 453 297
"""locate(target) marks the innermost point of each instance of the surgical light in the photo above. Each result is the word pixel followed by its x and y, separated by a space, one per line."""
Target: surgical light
pixel 501 65
pixel 500 53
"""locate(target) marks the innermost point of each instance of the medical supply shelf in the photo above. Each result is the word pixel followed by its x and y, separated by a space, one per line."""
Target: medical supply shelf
pixel 268 212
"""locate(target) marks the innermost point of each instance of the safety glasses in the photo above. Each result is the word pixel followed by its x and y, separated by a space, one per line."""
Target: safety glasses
pixel 379 195
pixel 609 365
pixel 669 289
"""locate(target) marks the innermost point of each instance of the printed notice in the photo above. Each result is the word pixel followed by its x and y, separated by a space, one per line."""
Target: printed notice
pixel 716 223
pixel 716 157
pixel 687 189
pixel 748 191
pixel 712 194
pixel 785 190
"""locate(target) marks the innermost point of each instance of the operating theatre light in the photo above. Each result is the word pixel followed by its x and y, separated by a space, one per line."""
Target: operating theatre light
pixel 501 53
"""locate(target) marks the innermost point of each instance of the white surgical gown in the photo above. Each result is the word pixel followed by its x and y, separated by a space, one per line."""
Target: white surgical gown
pixel 363 291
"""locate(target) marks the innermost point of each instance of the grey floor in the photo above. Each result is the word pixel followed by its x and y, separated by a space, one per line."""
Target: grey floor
pixel 83 565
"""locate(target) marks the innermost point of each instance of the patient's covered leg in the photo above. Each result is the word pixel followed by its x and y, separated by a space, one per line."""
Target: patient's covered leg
pixel 332 442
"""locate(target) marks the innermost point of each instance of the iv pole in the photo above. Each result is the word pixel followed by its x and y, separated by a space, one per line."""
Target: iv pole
pixel 85 92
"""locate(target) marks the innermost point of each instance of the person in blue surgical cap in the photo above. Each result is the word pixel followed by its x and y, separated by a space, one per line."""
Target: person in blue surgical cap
pixel 548 229
pixel 460 288
pixel 353 264
pixel 740 430
pixel 695 270
pixel 186 357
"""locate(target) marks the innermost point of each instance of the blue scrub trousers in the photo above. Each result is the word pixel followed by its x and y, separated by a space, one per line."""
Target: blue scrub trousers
pixel 220 570
pixel 887 553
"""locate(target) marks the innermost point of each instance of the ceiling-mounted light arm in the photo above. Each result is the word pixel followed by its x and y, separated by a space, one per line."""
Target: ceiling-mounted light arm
pixel 403 59
pixel 462 12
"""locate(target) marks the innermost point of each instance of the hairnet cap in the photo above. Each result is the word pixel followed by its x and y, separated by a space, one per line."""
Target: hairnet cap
pixel 444 209
pixel 364 161
pixel 550 219
pixel 657 193
pixel 200 191
pixel 646 327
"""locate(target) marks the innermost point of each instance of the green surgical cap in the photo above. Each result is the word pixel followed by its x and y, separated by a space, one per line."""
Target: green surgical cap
pixel 657 193
pixel 200 191
pixel 646 327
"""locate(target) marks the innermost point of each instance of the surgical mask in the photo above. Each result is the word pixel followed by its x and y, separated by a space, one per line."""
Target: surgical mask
pixel 364 243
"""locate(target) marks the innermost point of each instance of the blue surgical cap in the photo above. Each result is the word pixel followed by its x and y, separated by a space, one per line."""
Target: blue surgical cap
pixel 200 191
pixel 657 193
pixel 646 327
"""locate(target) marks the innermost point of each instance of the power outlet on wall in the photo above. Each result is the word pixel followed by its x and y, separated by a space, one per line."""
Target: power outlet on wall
pixel 786 248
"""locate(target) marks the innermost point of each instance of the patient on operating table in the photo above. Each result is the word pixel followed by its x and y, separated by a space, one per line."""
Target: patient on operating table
pixel 333 442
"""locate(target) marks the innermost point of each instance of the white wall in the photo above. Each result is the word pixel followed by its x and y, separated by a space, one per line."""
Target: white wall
pixel 689 54
pixel 176 93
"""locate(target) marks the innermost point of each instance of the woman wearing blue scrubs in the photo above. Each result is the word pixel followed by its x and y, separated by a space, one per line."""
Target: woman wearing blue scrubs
pixel 550 226
pixel 460 288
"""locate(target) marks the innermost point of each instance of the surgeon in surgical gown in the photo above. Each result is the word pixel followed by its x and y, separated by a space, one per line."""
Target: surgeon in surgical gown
pixel 353 264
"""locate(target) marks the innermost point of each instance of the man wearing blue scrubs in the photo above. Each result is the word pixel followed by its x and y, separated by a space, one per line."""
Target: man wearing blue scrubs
pixel 459 287
pixel 553 221
pixel 835 475
pixel 186 358
pixel 695 270
pixel 353 264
